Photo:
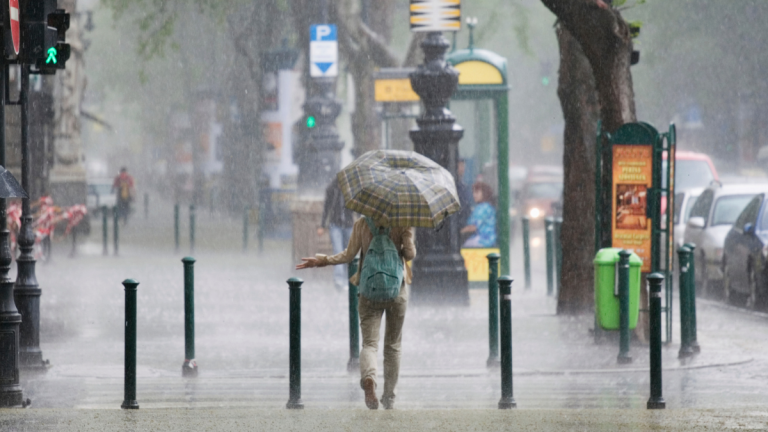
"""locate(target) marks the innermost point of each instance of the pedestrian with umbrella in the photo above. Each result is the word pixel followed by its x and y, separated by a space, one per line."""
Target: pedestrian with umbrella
pixel 394 191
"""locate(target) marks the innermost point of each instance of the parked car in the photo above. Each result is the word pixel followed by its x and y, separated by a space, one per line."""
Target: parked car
pixel 692 170
pixel 683 204
pixel 745 254
pixel 100 194
pixel 711 218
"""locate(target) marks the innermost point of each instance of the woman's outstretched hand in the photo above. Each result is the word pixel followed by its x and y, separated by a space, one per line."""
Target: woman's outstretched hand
pixel 308 263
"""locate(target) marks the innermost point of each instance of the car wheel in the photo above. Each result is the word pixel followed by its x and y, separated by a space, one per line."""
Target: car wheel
pixel 726 283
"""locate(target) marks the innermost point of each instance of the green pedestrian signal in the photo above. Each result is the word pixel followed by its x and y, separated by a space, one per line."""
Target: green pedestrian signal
pixel 311 122
pixel 51 56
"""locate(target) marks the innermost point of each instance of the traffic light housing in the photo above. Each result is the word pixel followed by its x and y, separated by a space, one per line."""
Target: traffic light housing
pixel 43 35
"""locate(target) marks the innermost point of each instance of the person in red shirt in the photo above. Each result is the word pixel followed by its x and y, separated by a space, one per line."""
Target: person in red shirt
pixel 124 187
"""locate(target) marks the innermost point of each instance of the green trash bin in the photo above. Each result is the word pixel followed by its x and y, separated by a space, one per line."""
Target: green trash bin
pixel 607 288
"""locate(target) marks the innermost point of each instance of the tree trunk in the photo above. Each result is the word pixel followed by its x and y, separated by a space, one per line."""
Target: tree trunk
pixel 578 99
pixel 605 40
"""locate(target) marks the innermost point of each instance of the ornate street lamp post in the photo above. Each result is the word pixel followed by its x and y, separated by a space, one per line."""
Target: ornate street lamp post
pixel 27 292
pixel 439 275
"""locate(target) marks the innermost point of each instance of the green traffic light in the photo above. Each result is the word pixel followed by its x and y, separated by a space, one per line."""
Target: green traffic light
pixel 311 122
pixel 51 56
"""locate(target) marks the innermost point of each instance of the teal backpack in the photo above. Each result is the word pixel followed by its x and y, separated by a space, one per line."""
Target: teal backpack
pixel 382 273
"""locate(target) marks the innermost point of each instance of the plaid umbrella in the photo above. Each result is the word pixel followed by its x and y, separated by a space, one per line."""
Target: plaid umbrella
pixel 399 189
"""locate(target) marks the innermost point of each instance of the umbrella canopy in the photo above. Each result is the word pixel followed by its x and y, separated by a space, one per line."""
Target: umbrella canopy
pixel 9 187
pixel 399 189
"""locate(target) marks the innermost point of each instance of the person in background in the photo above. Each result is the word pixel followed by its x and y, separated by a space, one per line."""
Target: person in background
pixel 340 220
pixel 482 221
pixel 124 187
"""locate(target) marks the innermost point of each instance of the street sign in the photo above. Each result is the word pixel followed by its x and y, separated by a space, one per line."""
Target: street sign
pixel 323 51
pixel 15 33
pixel 435 15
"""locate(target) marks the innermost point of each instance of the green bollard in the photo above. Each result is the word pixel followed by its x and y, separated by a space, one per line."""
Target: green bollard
pixel 245 229
pixel 656 401
pixel 116 228
pixel 294 367
pixel 129 400
pixel 684 259
pixel 692 295
pixel 549 236
pixel 493 310
pixel 558 252
pixel 507 400
pixel 104 231
pixel 192 217
pixel 526 221
pixel 176 226
pixel 624 357
pixel 354 321
pixel 189 367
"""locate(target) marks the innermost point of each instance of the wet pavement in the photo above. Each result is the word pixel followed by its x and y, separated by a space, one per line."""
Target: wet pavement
pixel 242 350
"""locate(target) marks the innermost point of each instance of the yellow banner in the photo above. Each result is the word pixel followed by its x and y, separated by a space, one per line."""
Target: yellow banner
pixel 476 263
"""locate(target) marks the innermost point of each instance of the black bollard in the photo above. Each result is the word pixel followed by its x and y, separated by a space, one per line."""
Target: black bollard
pixel 692 296
pixel 549 234
pixel 189 367
pixel 104 231
pixel 294 367
pixel 526 221
pixel 656 401
pixel 115 229
pixel 624 357
pixel 507 400
pixel 354 321
pixel 176 230
pixel 684 257
pixel 493 310
pixel 129 401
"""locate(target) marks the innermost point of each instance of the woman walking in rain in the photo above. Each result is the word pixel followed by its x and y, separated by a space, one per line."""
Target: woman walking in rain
pixel 395 191
pixel 371 311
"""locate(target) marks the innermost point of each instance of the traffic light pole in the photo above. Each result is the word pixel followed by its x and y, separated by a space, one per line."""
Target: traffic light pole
pixel 27 292
pixel 10 319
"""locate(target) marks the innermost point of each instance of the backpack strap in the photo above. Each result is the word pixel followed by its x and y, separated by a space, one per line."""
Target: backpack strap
pixel 372 226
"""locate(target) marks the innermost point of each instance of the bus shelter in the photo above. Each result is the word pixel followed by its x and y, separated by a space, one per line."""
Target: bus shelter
pixel 481 105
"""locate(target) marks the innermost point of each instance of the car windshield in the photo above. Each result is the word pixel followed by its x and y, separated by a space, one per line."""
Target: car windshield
pixel 544 190
pixel 728 208
pixel 690 174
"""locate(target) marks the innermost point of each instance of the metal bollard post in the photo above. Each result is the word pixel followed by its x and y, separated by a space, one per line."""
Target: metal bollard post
pixel 176 226
pixel 507 400
pixel 493 310
pixel 146 206
pixel 656 401
pixel 549 236
pixel 354 321
pixel 260 227
pixel 692 295
pixel 624 357
pixel 189 367
pixel 192 217
pixel 683 259
pixel 129 401
pixel 294 368
pixel 245 228
pixel 104 231
pixel 526 221
pixel 558 253
pixel 116 228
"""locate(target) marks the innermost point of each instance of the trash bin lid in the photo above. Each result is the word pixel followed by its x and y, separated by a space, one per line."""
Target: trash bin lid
pixel 610 256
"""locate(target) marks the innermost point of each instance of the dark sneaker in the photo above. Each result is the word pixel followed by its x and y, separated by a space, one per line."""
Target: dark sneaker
pixel 369 386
